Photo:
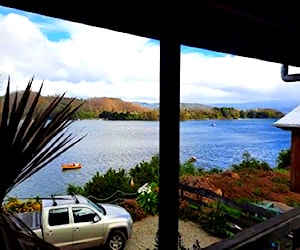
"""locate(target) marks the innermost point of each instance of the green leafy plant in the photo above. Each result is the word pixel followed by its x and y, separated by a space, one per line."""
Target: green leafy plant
pixel 187 168
pixel 148 198
pixel 250 163
pixel 231 211
pixel 292 202
pixel 215 170
pixel 73 189
pixel 145 172
pixel 106 185
pixel 284 159
pixel 214 221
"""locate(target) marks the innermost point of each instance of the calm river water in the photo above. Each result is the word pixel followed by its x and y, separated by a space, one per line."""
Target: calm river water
pixel 124 144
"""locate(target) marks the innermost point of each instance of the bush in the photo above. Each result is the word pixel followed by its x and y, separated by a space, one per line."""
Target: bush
pixel 148 198
pixel 213 221
pixel 17 206
pixel 284 159
pixel 104 186
pixel 73 189
pixel 145 172
pixel 187 168
pixel 251 163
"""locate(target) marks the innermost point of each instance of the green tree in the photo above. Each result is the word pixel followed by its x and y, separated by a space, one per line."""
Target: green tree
pixel 250 162
pixel 106 185
pixel 146 172
pixel 284 159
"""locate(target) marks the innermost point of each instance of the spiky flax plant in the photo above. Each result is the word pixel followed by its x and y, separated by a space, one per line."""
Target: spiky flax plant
pixel 30 138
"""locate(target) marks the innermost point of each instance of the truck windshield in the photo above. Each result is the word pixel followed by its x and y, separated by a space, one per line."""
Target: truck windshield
pixel 97 206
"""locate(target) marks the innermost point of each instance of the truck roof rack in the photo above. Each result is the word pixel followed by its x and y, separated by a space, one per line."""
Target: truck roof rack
pixel 53 199
pixel 75 197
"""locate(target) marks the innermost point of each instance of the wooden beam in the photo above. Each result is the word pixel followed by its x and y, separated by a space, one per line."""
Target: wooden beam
pixel 245 207
pixel 169 143
pixel 262 233
pixel 295 162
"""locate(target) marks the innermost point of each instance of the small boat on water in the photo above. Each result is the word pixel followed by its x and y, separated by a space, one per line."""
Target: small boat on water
pixel 69 166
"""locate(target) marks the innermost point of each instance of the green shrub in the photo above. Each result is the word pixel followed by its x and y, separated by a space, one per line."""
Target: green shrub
pixel 148 198
pixel 73 189
pixel 213 221
pixel 250 162
pixel 281 170
pixel 284 159
pixel 104 186
pixel 187 168
pixel 281 180
pixel 145 172
pixel 292 202
pixel 215 170
pixel 231 211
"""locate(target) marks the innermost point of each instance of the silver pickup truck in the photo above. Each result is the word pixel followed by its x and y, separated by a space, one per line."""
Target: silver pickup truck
pixel 75 222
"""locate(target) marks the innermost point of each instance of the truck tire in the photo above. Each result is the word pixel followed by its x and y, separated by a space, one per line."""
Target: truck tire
pixel 116 240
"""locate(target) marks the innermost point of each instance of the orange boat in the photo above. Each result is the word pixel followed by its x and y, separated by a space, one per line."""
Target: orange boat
pixel 69 166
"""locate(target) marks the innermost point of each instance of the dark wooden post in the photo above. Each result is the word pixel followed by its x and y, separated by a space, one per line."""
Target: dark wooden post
pixel 295 162
pixel 296 239
pixel 169 143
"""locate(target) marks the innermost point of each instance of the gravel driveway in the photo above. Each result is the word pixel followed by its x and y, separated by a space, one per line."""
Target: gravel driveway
pixel 144 231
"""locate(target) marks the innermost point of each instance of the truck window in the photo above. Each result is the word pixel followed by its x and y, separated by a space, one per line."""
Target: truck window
pixel 83 214
pixel 58 216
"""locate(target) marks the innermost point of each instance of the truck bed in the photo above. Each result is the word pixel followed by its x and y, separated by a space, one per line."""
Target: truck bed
pixel 32 219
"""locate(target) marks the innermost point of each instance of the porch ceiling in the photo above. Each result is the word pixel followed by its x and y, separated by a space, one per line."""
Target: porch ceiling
pixel 257 29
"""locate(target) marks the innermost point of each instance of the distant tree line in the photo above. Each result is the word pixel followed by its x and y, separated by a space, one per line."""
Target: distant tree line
pixel 116 109
pixel 152 115
pixel 196 114
pixel 228 113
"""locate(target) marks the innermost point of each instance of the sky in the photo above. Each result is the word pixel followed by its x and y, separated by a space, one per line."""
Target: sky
pixel 85 62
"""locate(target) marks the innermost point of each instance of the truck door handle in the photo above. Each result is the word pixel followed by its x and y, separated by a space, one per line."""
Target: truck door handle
pixel 77 229
pixel 50 233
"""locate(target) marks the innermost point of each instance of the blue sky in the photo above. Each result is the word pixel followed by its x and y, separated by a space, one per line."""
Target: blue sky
pixel 87 62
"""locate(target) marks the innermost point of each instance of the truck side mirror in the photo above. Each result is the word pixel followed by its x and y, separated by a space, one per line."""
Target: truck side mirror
pixel 96 218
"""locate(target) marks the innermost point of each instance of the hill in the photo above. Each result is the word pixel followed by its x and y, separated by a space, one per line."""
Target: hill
pixel 113 104
pixel 94 107
pixel 97 104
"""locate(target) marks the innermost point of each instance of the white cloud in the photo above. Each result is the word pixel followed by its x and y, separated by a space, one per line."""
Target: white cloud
pixel 89 62
pixel 233 79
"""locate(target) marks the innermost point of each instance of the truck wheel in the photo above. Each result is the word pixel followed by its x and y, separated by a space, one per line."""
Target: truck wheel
pixel 116 240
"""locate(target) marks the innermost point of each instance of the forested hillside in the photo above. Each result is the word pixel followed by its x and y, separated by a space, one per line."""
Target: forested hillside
pixel 91 107
pixel 112 104
pixel 117 109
